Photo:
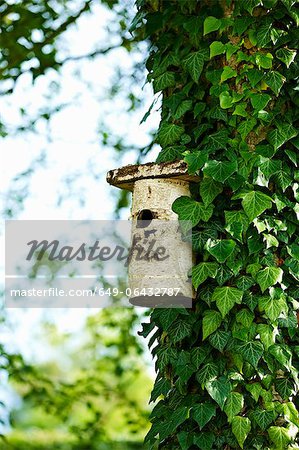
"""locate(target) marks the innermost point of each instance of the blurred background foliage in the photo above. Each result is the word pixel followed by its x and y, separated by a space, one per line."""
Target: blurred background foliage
pixel 89 390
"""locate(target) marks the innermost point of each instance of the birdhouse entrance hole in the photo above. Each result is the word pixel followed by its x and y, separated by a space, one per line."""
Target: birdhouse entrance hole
pixel 144 218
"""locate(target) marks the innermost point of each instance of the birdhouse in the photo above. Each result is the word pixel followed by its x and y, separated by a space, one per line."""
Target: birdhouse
pixel 155 281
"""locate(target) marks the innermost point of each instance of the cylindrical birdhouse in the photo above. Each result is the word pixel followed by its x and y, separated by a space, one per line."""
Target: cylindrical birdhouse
pixel 161 277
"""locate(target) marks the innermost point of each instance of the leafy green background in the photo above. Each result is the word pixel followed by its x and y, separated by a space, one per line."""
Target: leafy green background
pixel 227 370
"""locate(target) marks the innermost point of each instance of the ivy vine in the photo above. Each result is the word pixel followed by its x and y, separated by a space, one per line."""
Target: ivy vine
pixel 227 370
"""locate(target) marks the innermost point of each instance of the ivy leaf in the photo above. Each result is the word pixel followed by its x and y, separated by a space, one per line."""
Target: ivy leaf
pixel 241 427
pixel 234 404
pixel 185 371
pixel 226 297
pixel 217 48
pixel 236 223
pixel 255 390
pixel 221 249
pixel 275 81
pixel 196 161
pixel 169 133
pixel 280 437
pixel 227 73
pixel 200 238
pixel 259 101
pixel 252 352
pixel 244 282
pixel 254 76
pixel 283 178
pixel 203 413
pixel 267 151
pixel 245 317
pixel 241 24
pixel 219 339
pixel 281 135
pixel 270 167
pixel 236 217
pixel 219 170
pixel 226 101
pixel 166 317
pixel 286 55
pixel 267 334
pixel 180 330
pixel 273 307
pixel 282 354
pixel 204 440
pixel 230 50
pixel 210 322
pixel 164 81
pixel 217 141
pixel 171 153
pixel 264 33
pixel 182 108
pixel 165 354
pixel 285 388
pixel 263 418
pixel 209 189
pixel 240 110
pixel 191 210
pixel 293 157
pixel 249 5
pixel 219 390
pixel 255 203
pixel 199 108
pixel 264 60
pixel 223 275
pixel 269 277
pixel 246 127
pixel 202 271
pixel 161 387
pixel 194 63
pixel 211 24
pixel 208 372
pixel 178 416
pixel 185 440
pixel 198 355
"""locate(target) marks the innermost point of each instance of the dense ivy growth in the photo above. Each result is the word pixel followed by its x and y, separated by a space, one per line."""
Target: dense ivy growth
pixel 227 371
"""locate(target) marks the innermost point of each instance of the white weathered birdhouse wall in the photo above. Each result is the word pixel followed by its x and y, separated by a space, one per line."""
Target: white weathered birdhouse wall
pixel 157 196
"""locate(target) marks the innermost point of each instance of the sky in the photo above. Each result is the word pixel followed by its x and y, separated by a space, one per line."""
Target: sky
pixel 76 163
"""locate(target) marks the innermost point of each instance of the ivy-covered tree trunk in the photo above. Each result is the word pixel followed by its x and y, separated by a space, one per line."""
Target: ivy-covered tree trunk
pixel 227 370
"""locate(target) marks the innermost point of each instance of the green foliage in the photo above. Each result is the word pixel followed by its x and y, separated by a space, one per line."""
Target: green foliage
pixel 237 63
pixel 241 427
pixel 191 210
pixel 95 401
pixel 233 405
pixel 255 203
pixel 210 323
pixel 226 298
pixel 203 413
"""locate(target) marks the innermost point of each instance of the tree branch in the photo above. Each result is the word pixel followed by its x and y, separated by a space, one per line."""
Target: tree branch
pixel 93 54
pixel 63 27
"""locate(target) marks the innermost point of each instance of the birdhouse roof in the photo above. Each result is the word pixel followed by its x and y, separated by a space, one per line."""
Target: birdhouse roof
pixel 124 177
